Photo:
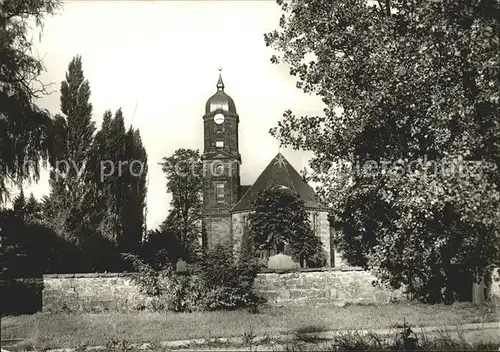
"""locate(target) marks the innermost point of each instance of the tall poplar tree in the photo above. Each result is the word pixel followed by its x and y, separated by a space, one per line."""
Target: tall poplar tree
pixel 133 215
pixel 68 206
pixel 119 169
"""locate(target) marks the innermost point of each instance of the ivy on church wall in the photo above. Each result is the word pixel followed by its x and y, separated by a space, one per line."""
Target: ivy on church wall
pixel 279 218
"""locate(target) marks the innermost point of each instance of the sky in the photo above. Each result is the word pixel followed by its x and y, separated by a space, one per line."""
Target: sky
pixel 159 61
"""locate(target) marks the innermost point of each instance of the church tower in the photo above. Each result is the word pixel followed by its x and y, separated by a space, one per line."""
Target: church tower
pixel 221 167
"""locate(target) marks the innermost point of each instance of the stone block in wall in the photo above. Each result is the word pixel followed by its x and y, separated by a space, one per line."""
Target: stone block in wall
pixel 85 275
pixel 293 283
pixel 107 275
pixel 269 296
pixel 286 278
pixel 314 281
pixel 307 294
pixel 284 294
pixel 382 297
pixel 332 293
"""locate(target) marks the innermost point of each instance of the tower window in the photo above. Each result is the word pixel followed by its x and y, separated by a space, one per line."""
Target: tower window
pixel 220 193
pixel 219 144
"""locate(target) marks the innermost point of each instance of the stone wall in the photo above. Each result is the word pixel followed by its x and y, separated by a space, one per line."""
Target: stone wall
pixel 99 292
pixel 91 292
pixel 340 286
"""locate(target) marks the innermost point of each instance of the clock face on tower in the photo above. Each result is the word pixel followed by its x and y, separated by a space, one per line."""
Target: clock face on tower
pixel 218 118
pixel 219 169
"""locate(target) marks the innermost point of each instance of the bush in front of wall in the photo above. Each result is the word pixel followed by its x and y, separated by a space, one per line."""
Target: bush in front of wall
pixel 215 282
pixel 228 283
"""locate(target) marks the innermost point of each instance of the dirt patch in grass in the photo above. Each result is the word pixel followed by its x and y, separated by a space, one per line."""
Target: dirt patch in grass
pixel 61 330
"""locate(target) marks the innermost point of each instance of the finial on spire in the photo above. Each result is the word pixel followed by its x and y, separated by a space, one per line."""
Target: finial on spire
pixel 220 84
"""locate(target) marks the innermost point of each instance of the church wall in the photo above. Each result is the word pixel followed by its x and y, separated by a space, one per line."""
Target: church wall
pixel 322 230
pixel 338 261
pixel 238 227
pixel 218 230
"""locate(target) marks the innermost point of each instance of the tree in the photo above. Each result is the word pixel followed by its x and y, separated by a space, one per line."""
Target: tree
pixel 277 218
pixel 410 86
pixel 118 167
pixel 28 210
pixel 162 249
pixel 68 208
pixel 23 125
pixel 106 156
pixel 19 204
pixel 183 170
pixel 134 222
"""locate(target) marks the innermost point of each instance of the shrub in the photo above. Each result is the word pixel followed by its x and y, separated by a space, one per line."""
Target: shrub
pixel 215 282
pixel 146 276
pixel 228 284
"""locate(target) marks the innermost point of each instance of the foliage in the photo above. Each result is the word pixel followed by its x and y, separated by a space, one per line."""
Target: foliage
pixel 19 204
pixel 43 250
pixel 184 173
pixel 279 217
pixel 68 208
pixel 146 276
pixel 162 248
pixel 117 165
pixel 412 96
pixel 23 125
pixel 216 282
pixel 98 215
pixel 31 248
pixel 133 215
pixel 226 284
pixel 29 210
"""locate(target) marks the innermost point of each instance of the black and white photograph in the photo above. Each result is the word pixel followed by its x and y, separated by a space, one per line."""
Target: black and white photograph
pixel 249 175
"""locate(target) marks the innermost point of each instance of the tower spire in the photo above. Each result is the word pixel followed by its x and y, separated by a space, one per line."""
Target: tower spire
pixel 220 83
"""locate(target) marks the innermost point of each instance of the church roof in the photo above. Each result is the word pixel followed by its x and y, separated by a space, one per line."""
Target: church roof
pixel 244 189
pixel 220 100
pixel 279 172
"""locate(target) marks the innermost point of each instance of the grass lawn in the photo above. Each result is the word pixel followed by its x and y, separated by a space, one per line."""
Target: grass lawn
pixel 61 330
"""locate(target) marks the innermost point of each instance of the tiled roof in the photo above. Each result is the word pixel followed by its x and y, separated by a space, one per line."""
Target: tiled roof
pixel 244 189
pixel 279 172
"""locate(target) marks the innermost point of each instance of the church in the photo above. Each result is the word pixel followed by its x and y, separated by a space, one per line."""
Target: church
pixel 226 202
